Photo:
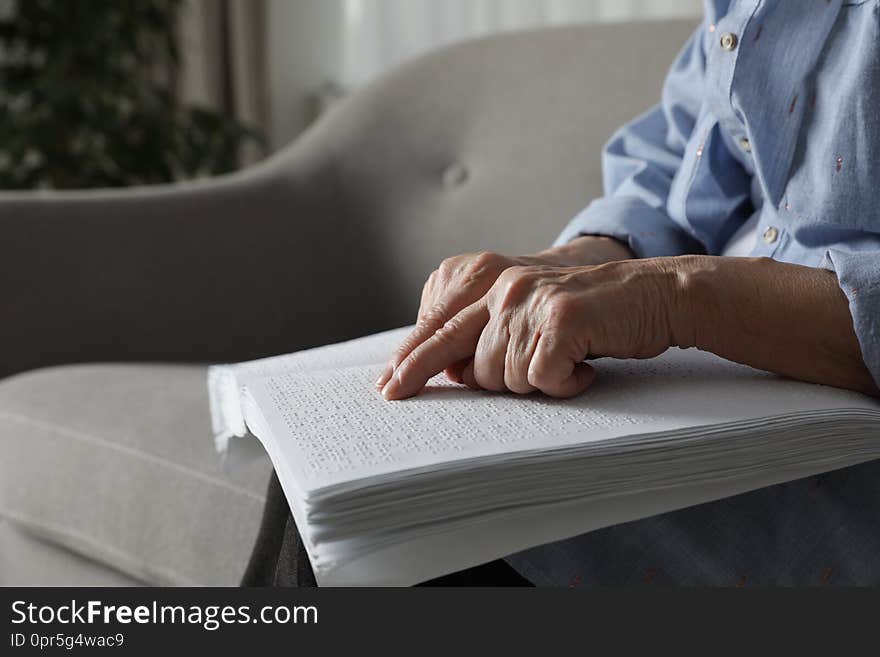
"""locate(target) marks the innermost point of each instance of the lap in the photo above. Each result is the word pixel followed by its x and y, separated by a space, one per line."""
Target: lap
pixel 820 530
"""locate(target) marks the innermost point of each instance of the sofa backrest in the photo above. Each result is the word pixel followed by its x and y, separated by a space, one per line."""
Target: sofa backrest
pixel 494 144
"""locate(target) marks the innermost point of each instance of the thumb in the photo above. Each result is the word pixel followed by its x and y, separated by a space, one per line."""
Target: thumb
pixel 554 372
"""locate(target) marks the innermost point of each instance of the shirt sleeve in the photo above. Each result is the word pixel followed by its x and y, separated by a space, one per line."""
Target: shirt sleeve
pixel 859 278
pixel 640 162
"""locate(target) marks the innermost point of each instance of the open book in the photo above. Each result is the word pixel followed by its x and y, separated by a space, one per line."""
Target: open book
pixel 394 493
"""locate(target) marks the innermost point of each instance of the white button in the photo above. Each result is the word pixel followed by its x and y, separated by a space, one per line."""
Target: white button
pixel 729 41
pixel 771 235
pixel 745 144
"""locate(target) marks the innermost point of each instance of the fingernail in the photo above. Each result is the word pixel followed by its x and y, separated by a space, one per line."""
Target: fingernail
pixel 383 378
pixel 391 388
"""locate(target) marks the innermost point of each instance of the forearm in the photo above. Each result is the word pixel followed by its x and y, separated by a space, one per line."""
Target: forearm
pixel 784 318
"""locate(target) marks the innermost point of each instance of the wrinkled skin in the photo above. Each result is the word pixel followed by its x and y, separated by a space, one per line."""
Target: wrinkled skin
pixel 464 279
pixel 528 324
pixel 535 326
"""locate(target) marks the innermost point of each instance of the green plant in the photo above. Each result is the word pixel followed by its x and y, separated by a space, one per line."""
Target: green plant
pixel 81 104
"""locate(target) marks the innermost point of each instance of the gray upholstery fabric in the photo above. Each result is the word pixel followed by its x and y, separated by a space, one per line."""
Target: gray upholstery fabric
pixel 116 463
pixel 27 560
pixel 492 144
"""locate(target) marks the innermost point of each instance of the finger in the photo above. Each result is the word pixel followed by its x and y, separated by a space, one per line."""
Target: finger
pixel 468 378
pixel 555 372
pixel 426 326
pixel 384 376
pixel 517 359
pixel 454 371
pixel 428 292
pixel 490 356
pixel 432 316
pixel 455 341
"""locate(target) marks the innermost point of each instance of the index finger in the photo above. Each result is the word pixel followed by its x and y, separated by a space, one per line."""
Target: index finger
pixel 430 321
pixel 455 341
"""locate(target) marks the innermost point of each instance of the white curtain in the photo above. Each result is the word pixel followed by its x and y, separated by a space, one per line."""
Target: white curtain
pixel 318 49
pixel 380 33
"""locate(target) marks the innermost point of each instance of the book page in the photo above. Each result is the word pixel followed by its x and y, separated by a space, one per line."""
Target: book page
pixel 371 350
pixel 225 382
pixel 332 426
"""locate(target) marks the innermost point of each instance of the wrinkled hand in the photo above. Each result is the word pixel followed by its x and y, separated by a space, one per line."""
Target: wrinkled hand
pixel 457 283
pixel 463 280
pixel 536 325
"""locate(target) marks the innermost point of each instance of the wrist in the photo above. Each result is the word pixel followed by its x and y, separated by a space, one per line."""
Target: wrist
pixel 693 300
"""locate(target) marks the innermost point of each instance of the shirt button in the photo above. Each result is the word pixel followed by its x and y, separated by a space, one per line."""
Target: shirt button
pixel 745 144
pixel 771 235
pixel 729 41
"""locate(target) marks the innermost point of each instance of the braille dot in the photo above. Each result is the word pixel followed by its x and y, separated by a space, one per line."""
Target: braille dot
pixel 839 162
pixel 793 104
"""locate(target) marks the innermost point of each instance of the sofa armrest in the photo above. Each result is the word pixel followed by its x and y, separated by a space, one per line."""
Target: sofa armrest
pixel 226 269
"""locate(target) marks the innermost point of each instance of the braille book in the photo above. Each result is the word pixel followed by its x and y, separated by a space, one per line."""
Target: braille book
pixel 394 493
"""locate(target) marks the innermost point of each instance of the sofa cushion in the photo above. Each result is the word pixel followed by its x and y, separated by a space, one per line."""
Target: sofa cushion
pixel 116 462
pixel 27 560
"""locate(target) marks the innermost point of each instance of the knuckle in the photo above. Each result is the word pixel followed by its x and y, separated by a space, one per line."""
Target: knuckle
pixel 480 265
pixel 444 270
pixel 512 286
pixel 512 274
pixel 404 370
pixel 434 315
pixel 449 330
pixel 485 259
pixel 404 350
pixel 451 264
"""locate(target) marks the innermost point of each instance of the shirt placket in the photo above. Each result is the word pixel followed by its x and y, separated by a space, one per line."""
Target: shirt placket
pixel 771 147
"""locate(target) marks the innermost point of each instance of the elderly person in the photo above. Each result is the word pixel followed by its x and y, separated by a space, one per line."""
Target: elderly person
pixel 741 217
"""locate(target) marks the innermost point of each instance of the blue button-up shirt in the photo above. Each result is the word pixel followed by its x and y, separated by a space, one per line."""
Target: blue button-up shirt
pixel 771 113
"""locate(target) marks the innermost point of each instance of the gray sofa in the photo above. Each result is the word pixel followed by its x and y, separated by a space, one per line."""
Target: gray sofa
pixel 107 469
